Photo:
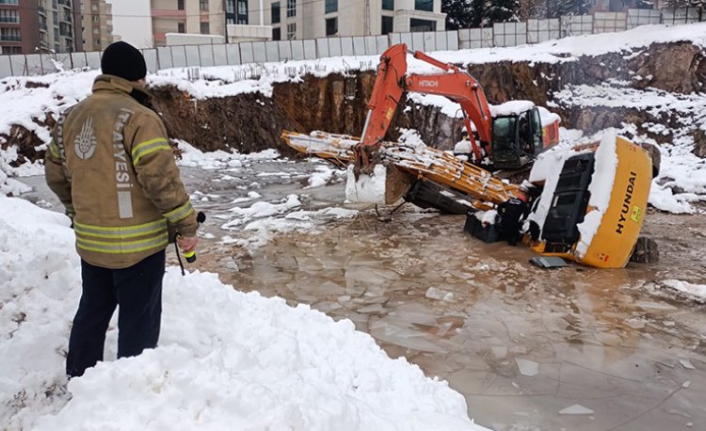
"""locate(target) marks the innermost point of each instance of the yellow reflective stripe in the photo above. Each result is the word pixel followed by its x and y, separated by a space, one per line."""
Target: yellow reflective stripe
pixel 180 213
pixel 144 148
pixel 120 232
pixel 124 247
pixel 54 150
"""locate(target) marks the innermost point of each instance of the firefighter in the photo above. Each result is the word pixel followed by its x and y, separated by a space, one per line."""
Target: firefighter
pixel 111 166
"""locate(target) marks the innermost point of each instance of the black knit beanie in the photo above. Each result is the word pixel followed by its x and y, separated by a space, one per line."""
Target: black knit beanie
pixel 123 60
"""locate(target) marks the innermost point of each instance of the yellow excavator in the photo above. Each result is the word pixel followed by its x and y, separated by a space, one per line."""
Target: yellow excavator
pixel 590 211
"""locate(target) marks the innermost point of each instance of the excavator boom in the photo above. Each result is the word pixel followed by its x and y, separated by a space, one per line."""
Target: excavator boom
pixel 393 82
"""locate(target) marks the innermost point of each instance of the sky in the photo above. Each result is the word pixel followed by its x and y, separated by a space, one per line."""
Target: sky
pixel 132 22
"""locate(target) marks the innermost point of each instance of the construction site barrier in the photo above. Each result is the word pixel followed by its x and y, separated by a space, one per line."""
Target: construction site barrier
pixel 498 35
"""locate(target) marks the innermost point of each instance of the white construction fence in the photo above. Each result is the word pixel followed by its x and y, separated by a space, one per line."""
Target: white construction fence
pixel 499 35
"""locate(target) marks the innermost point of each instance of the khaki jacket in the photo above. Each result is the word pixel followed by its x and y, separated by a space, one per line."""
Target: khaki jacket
pixel 111 166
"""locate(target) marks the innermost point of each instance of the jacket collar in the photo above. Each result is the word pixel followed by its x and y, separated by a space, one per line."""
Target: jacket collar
pixel 116 84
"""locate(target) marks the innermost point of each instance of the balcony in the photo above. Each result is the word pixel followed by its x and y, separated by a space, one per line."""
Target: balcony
pixel 41 10
pixel 169 14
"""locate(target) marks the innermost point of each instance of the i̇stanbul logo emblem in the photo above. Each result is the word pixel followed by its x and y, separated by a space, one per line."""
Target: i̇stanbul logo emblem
pixel 85 142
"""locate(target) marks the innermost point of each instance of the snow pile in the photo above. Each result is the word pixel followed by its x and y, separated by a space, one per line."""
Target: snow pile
pixel 260 210
pixel 600 189
pixel 486 217
pixel 682 177
pixel 11 187
pixel 411 138
pixel 696 292
pixel 367 189
pixel 227 360
pixel 321 177
pixel 264 220
pixel 513 107
pixel 195 158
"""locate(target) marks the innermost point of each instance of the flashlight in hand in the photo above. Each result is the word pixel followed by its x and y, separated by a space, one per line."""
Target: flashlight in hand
pixel 191 255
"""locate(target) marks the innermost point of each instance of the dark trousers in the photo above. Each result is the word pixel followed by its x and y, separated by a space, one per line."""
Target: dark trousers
pixel 138 291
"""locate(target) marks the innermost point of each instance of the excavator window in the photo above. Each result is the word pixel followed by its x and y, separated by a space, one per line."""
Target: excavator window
pixel 524 134
pixel 504 134
pixel 537 139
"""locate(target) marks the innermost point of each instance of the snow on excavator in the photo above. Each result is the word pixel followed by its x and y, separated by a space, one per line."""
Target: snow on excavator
pixel 589 211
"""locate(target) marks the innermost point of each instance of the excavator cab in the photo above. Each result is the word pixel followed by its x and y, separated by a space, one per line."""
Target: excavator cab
pixel 516 139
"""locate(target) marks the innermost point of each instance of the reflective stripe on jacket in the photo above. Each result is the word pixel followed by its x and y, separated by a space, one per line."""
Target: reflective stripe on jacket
pixel 111 166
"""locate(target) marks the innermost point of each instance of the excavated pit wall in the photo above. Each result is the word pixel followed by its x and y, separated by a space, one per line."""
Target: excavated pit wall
pixel 337 103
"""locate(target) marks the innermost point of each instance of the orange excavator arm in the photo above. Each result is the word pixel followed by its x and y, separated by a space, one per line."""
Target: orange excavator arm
pixel 393 81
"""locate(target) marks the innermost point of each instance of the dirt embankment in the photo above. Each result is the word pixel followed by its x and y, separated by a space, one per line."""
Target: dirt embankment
pixel 337 103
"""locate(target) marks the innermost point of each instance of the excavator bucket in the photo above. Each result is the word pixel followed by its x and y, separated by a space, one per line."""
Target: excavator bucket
pixel 387 184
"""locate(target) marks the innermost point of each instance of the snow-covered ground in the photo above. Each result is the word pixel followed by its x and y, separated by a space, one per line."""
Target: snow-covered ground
pixel 681 170
pixel 226 360
pixel 229 360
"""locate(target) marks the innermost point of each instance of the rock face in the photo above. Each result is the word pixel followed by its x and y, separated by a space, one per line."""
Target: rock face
pixel 337 103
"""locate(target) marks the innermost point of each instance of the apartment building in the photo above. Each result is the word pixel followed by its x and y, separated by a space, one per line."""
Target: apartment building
pixel 29 26
pixel 97 23
pixel 186 16
pixel 309 19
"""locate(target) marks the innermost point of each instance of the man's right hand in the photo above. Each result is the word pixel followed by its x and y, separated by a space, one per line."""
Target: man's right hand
pixel 187 244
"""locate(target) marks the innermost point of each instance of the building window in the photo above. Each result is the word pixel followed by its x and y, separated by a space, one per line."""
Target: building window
pixel 242 15
pixel 9 15
pixel 291 8
pixel 277 33
pixel 425 5
pixel 331 26
pixel 94 7
pixel 180 4
pixel 95 18
pixel 386 25
pixel 274 15
pixel 205 28
pixel 10 35
pixel 331 6
pixel 203 5
pixel 12 50
pixel 9 2
pixel 388 4
pixel 181 27
pixel 416 25
pixel 292 31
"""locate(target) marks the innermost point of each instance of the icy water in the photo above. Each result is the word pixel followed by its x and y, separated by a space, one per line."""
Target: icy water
pixel 530 349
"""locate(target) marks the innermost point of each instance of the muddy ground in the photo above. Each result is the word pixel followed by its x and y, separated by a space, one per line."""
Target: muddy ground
pixel 474 314
pixel 522 344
